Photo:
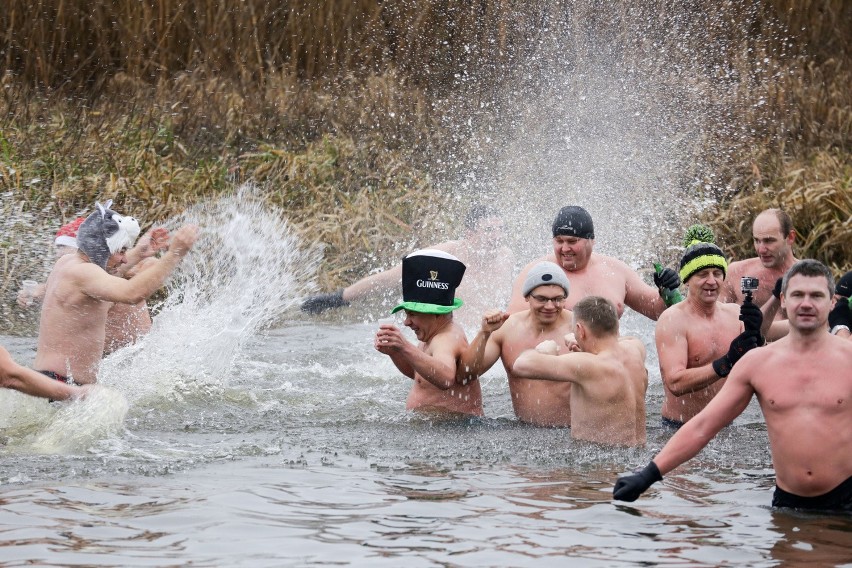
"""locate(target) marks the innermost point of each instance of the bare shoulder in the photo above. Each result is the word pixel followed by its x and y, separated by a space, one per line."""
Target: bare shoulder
pixel 740 267
pixel 673 319
pixel 611 263
pixel 633 343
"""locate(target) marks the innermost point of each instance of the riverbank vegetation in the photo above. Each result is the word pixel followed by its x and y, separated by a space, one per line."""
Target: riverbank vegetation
pixel 352 115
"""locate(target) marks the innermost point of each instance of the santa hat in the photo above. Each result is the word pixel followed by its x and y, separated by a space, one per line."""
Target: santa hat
pixel 66 236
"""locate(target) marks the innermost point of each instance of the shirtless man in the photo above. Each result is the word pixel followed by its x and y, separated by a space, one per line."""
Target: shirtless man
pixel 489 269
pixel 607 376
pixel 20 378
pixel 542 403
pixel 700 339
pixel 595 274
pixel 81 290
pixel 804 385
pixel 773 242
pixel 125 323
pixel 429 281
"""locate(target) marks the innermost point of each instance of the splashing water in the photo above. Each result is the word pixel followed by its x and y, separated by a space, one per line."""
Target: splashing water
pixel 246 269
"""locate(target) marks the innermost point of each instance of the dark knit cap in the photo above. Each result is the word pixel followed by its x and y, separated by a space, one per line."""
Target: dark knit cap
pixel 573 221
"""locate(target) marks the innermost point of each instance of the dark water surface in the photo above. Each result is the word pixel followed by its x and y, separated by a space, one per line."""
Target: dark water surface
pixel 303 455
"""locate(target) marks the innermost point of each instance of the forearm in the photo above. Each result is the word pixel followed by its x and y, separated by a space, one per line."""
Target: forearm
pixel 385 280
pixel 473 359
pixel 687 381
pixel 683 446
pixel 34 383
pixel 402 364
pixel 435 371
pixel 648 302
pixel 144 284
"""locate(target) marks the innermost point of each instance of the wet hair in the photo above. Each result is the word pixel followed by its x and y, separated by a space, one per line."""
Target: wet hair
pixel 784 221
pixel 812 268
pixel 598 314
pixel 477 213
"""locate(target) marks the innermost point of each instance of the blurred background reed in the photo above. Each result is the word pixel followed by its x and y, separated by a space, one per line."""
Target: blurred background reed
pixel 340 110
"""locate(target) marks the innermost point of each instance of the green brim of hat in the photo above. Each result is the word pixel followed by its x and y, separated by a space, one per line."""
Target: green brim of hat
pixel 422 308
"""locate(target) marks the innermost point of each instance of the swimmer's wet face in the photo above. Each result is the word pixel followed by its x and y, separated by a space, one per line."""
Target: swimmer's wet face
pixel 116 259
pixel 705 284
pixel 807 301
pixel 770 244
pixel 572 253
pixel 421 324
pixel 546 302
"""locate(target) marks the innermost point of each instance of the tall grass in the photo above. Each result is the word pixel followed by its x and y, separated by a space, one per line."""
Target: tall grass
pixel 344 108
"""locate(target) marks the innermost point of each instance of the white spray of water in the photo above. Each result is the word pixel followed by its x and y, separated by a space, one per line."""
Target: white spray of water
pixel 246 269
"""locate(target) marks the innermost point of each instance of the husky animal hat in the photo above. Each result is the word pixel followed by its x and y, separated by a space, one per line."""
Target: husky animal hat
pixel 105 232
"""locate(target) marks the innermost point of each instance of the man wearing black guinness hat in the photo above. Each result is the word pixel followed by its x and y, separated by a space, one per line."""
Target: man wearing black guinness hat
pixel 593 274
pixel 429 281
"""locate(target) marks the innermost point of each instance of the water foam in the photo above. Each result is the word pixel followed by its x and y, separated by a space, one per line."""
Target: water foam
pixel 247 268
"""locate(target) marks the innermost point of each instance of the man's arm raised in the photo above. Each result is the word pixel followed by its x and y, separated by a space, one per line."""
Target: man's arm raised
pixel 484 350
pixel 729 403
pixel 543 363
pixel 102 286
pixel 640 296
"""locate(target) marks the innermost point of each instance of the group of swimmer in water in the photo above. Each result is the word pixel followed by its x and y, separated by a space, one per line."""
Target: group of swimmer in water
pixel 784 337
pixel 786 342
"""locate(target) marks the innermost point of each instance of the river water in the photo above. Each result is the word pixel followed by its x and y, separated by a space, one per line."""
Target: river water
pixel 242 433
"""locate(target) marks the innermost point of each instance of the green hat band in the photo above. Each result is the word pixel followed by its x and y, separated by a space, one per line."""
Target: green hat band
pixel 424 308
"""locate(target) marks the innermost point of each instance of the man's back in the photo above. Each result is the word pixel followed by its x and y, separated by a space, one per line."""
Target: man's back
pixel 608 405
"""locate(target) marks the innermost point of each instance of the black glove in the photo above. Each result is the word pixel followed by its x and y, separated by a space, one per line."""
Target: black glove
pixel 840 314
pixel 630 487
pixel 321 302
pixel 742 344
pixel 667 278
pixel 777 290
pixel 751 316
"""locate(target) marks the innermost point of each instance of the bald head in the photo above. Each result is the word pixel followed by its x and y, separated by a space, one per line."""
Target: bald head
pixel 773 236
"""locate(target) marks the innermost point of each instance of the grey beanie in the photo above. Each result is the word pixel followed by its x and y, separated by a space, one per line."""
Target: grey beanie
pixel 104 233
pixel 545 273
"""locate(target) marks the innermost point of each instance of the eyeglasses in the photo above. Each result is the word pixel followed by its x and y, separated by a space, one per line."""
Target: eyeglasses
pixel 545 300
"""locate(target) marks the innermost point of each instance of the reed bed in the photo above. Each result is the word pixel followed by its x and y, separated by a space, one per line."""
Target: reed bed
pixel 348 113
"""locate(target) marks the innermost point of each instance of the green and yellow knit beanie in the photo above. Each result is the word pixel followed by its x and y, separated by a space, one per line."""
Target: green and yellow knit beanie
pixel 701 252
